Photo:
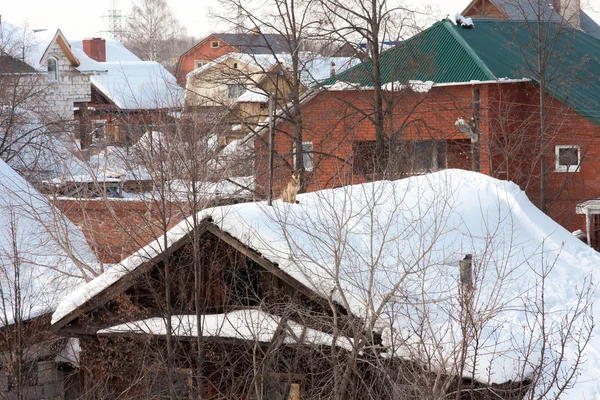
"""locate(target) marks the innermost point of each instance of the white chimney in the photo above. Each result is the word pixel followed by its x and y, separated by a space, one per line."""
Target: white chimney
pixel 570 10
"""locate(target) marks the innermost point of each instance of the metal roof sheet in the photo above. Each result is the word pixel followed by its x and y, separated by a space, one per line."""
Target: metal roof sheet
pixel 493 50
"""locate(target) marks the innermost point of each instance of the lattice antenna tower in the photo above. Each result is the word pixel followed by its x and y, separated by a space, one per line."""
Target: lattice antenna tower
pixel 115 30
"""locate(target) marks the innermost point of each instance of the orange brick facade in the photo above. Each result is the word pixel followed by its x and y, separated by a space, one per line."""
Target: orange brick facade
pixel 115 229
pixel 510 142
pixel 203 51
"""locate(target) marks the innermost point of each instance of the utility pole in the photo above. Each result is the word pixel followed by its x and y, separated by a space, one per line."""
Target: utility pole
pixel 475 141
pixel 271 144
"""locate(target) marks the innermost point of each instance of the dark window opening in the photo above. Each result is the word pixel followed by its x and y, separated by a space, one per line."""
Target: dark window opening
pixel 241 280
pixel 406 157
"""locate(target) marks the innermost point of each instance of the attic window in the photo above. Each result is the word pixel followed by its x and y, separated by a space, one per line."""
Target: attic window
pixel 567 158
pixel 52 70
pixel 214 45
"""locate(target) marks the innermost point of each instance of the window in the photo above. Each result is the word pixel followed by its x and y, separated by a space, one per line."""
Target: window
pixel 52 69
pixel 234 91
pixel 199 63
pixel 407 157
pixel 98 128
pixel 364 160
pixel 567 158
pixel 278 390
pixel 307 155
pixel 235 65
pixel 214 45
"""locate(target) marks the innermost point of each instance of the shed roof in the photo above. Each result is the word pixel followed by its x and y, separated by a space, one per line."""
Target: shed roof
pixel 493 50
pixel 12 65
pixel 256 43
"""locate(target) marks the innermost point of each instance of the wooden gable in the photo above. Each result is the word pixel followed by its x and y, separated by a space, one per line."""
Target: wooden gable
pixel 232 277
pixel 483 9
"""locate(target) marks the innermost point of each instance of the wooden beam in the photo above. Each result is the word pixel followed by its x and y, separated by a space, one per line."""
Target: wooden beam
pixel 266 264
pixel 122 284
pixel 66 48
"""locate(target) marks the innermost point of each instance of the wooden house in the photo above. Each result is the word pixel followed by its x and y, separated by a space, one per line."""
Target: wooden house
pixel 212 309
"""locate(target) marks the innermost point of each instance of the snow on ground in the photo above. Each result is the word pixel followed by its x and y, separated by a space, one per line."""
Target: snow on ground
pixel 31 256
pixel 250 324
pixel 389 251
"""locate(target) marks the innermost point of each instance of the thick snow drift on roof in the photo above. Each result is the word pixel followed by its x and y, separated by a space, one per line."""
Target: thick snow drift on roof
pixel 389 251
pixel 250 324
pixel 139 85
pixel 115 51
pixel 45 245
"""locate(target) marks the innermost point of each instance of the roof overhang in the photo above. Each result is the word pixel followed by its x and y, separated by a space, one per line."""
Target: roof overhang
pixel 62 41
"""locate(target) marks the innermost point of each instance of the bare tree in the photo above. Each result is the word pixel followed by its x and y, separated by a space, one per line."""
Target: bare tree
pixel 151 29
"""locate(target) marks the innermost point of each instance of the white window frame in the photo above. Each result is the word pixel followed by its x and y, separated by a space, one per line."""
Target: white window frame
pixel 54 76
pixel 214 44
pixel 307 156
pixel 558 167
pixel 199 63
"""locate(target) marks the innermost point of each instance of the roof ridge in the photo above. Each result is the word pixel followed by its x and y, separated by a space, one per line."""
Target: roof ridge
pixel 452 29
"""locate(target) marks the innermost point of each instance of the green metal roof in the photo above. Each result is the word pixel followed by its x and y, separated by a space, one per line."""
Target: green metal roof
pixel 492 50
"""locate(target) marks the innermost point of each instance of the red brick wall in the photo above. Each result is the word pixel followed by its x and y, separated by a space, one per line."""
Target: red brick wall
pixel 510 143
pixel 331 121
pixel 115 229
pixel 201 52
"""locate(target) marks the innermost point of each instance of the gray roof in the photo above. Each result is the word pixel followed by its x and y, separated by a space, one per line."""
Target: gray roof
pixel 256 43
pixel 527 10
pixel 12 65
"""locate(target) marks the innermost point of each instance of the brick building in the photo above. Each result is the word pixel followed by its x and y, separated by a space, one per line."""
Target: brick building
pixel 473 83
pixel 220 44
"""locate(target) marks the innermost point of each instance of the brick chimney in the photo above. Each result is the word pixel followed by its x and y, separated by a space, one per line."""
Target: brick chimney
pixel 570 10
pixel 95 48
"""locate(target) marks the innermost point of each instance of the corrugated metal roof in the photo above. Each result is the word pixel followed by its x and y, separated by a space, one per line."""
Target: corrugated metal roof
pixel 437 54
pixel 256 43
pixel 493 49
pixel 506 48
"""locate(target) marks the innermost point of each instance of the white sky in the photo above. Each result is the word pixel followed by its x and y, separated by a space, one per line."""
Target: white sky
pixel 78 19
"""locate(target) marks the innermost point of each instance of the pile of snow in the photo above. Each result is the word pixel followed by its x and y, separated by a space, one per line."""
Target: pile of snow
pixel 113 164
pixel 415 86
pixel 389 252
pixel 463 21
pixel 250 324
pixel 234 187
pixel 42 254
pixel 143 85
pixel 253 96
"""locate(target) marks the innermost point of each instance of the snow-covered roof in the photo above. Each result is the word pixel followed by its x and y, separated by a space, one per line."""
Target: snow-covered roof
pixel 125 79
pixel 134 85
pixel 47 244
pixel 392 239
pixel 314 68
pixel 255 95
pixel 249 324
